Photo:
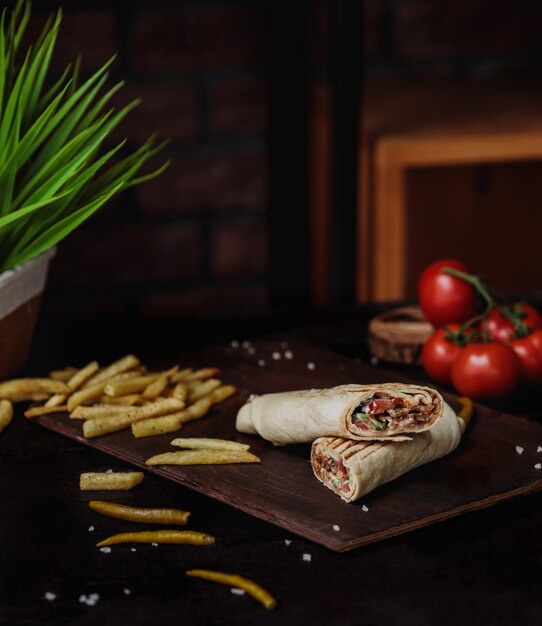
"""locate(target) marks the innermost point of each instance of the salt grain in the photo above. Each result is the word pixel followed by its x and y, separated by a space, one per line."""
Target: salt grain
pixel 91 529
pixel 127 592
pixel 89 600
pixel 520 450
pixel 237 592
pixel 307 557
pixel 133 549
pixel 276 356
pixel 374 361
pixel 289 355
pixel 311 366
pixel 336 528
pixel 154 545
pixel 261 363
pixel 365 508
pixel 234 344
pixel 538 466
pixel 105 549
pixel 287 541
pixel 49 595
pixel 109 471
pixel 539 449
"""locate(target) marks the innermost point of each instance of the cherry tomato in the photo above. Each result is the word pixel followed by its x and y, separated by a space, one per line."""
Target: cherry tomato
pixel 438 354
pixel 444 298
pixel 502 329
pixel 486 370
pixel 529 351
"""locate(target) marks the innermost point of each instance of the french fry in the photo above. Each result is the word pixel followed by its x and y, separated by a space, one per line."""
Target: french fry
pixel 221 393
pixel 22 389
pixel 80 377
pixel 127 400
pixel 160 536
pixel 180 391
pixel 97 410
pixel 112 481
pixel 63 375
pixel 182 375
pixel 132 385
pixel 89 393
pixel 202 374
pixel 36 411
pixel 156 426
pixel 118 367
pixel 196 410
pixel 140 514
pixel 103 425
pixel 201 389
pixel 204 443
pixel 203 457
pixel 157 386
pixel 239 582
pixel 6 413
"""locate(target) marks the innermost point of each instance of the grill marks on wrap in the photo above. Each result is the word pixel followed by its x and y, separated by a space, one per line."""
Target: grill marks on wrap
pixel 347 448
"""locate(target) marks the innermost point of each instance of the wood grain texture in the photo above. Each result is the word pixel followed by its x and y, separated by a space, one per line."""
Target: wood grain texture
pixel 485 469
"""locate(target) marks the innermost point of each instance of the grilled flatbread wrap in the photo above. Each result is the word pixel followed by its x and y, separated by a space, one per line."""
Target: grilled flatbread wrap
pixel 354 468
pixel 364 412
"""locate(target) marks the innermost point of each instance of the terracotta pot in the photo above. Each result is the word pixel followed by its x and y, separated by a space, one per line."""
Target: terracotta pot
pixel 20 297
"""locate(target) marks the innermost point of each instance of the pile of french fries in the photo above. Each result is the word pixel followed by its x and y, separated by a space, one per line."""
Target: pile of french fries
pixel 120 396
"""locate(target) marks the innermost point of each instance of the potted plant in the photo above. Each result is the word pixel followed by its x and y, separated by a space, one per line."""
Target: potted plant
pixel 54 170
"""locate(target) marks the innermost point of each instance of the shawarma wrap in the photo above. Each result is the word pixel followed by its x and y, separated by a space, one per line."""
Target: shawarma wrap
pixel 354 468
pixel 387 411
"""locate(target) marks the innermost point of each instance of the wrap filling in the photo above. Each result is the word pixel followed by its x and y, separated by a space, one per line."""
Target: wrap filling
pixel 331 471
pixel 385 412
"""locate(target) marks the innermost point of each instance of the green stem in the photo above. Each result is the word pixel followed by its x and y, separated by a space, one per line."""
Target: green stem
pixel 475 282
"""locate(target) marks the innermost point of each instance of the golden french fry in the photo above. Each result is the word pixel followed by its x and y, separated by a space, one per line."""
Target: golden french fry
pixel 181 375
pixel 97 410
pixel 180 391
pixel 239 582
pixel 203 457
pixel 466 411
pixel 21 389
pixel 201 374
pixel 221 393
pixel 132 385
pixel 157 386
pixel 90 393
pixel 196 410
pixel 160 536
pixel 6 413
pixel 204 443
pixel 201 389
pixel 103 425
pixel 74 383
pixel 110 481
pixel 118 367
pixel 156 426
pixel 127 400
pixel 36 411
pixel 140 514
pixel 63 375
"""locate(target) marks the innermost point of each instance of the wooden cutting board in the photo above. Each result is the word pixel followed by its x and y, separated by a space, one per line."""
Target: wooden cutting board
pixel 485 469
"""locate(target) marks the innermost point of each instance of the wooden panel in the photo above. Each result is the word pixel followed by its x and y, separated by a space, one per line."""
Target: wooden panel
pixel 282 489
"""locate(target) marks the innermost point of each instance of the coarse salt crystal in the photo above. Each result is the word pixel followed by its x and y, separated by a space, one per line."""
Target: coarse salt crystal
pixel 127 592
pixel 538 466
pixel 105 549
pixel 289 355
pixel 261 363
pixel 374 361
pixel 234 344
pixel 49 595
pixel 365 508
pixel 520 450
pixel 307 557
pixel 82 598
pixel 311 366
pixel 539 449
pixel 109 471
pixel 287 541
pixel 154 545
pixel 91 529
pixel 93 596
pixel 336 528
pixel 237 592
pixel 276 356
pixel 133 549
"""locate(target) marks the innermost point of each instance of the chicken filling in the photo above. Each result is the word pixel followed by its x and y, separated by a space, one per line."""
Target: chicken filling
pixel 384 412
pixel 332 471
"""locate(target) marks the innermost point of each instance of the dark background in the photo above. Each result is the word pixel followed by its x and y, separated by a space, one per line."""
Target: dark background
pixel 196 240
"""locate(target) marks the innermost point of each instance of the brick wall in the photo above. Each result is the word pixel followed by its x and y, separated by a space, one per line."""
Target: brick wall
pixel 195 239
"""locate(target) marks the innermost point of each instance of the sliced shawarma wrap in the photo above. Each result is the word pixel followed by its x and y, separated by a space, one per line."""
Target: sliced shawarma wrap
pixel 389 411
pixel 354 468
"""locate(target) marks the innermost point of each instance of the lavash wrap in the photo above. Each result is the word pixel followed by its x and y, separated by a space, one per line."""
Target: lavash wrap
pixel 371 464
pixel 301 416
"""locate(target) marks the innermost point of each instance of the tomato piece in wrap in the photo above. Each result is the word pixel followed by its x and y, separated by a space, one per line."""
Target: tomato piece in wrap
pixel 364 412
pixel 354 468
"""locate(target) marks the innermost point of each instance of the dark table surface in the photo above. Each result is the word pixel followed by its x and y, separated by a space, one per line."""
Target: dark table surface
pixel 480 568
